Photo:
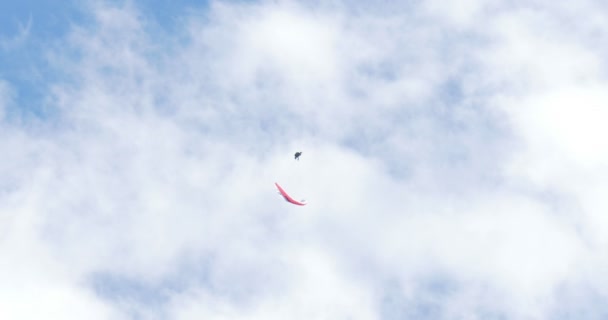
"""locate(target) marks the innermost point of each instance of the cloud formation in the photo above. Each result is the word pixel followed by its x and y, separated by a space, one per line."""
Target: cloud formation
pixel 454 165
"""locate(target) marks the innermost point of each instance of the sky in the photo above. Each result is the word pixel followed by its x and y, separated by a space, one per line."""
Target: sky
pixel 454 159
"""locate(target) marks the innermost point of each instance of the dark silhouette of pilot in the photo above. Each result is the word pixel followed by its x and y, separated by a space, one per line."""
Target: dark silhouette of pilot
pixel 297 155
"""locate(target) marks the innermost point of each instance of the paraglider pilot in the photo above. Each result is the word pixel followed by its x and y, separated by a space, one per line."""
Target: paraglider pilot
pixel 297 155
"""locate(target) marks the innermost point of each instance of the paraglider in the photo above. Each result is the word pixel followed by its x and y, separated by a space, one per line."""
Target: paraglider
pixel 287 197
pixel 282 191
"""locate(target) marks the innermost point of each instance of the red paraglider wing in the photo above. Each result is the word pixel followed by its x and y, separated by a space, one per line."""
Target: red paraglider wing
pixel 287 197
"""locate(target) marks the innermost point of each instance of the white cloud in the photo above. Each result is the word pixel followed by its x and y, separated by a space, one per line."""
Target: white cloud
pixel 5 98
pixel 451 171
pixel 316 287
pixel 461 14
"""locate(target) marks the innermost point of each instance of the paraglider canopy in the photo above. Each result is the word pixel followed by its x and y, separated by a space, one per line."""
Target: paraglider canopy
pixel 297 155
pixel 287 197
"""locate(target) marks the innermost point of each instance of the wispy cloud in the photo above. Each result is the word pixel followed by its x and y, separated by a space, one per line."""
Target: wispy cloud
pixel 19 38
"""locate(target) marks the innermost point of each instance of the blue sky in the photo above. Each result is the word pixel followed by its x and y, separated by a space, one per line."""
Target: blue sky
pixel 29 28
pixel 454 160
